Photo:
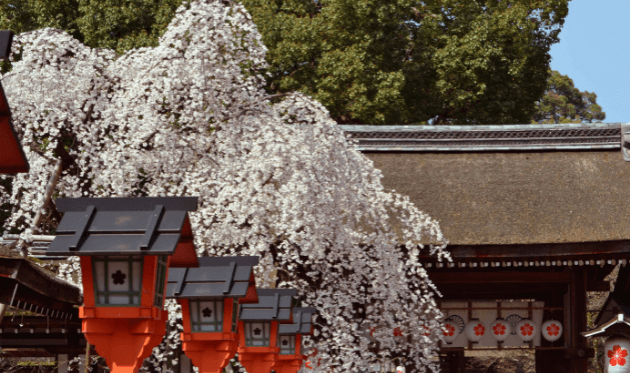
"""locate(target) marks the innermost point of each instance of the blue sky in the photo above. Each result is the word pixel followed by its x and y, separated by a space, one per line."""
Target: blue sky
pixel 594 51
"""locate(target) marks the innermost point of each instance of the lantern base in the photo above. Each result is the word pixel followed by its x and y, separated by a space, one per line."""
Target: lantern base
pixel 257 362
pixel 125 343
pixel 288 363
pixel 210 356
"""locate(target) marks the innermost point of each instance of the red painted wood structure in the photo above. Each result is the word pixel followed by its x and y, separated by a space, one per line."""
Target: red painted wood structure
pixel 532 212
pixel 12 157
pixel 258 328
pixel 126 246
pixel 210 296
pixel 290 358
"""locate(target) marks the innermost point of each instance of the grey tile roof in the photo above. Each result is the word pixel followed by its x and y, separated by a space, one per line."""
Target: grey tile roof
pixel 301 321
pixel 273 305
pixel 216 277
pixel 122 226
pixel 486 137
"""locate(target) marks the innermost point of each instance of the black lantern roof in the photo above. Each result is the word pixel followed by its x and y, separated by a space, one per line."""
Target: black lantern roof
pixel 126 226
pixel 273 305
pixel 6 39
pixel 226 277
pixel 301 321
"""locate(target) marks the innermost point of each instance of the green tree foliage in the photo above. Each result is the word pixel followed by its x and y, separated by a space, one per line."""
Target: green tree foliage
pixel 116 24
pixel 410 61
pixel 563 103
pixel 367 61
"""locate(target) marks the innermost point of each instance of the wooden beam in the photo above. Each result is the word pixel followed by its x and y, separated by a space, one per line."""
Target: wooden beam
pixel 558 251
pixel 598 286
pixel 498 277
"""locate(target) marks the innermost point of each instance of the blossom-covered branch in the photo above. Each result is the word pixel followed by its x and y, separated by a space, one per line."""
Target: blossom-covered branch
pixel 191 118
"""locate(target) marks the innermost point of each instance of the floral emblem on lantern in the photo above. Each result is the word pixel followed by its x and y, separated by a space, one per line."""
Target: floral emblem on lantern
pixel 527 329
pixel 499 329
pixel 449 330
pixel 553 329
pixel 475 330
pixel 479 329
pixel 617 355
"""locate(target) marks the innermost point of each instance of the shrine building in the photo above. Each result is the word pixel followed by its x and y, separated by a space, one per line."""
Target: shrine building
pixel 535 216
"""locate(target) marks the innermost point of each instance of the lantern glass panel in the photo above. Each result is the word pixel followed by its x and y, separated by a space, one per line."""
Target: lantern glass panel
pixel 160 278
pixel 194 311
pixel 286 344
pixel 206 316
pixel 117 280
pixel 257 334
pixel 234 315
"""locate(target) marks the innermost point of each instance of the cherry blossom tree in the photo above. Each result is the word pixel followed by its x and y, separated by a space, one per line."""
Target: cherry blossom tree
pixel 190 117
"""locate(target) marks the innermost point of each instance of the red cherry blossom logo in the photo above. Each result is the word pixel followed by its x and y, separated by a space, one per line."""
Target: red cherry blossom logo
pixel 397 332
pixel 499 329
pixel 449 330
pixel 617 355
pixel 479 329
pixel 553 329
pixel 527 329
pixel 426 328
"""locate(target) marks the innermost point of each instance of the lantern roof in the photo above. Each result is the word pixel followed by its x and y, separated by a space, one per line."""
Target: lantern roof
pixel 273 305
pixel 226 277
pixel 126 226
pixel 614 316
pixel 12 157
pixel 301 321
pixel 620 324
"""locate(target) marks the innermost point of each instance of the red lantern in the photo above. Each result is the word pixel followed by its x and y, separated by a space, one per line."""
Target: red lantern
pixel 290 357
pixel 125 245
pixel 258 328
pixel 210 296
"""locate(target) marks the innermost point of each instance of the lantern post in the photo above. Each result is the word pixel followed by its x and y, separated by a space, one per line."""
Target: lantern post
pixel 290 357
pixel 126 246
pixel 210 296
pixel 258 328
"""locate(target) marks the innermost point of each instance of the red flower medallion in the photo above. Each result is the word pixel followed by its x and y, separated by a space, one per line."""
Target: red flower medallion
pixel 527 329
pixel 617 355
pixel 479 329
pixel 449 330
pixel 498 329
pixel 553 329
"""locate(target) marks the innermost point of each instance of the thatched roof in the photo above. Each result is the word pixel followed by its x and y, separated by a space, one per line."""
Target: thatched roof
pixel 553 184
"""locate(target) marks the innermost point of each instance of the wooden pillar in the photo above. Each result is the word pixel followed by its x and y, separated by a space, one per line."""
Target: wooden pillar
pixel 575 358
pixel 553 361
pixel 578 319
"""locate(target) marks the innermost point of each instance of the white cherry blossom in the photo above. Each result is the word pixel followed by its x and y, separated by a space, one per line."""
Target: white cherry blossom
pixel 278 180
